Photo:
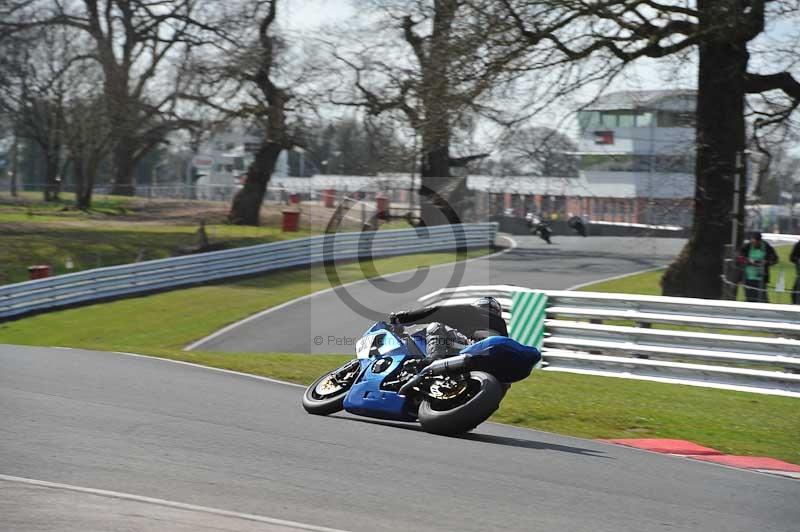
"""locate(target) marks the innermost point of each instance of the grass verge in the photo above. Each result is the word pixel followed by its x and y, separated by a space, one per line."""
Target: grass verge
pixel 121 230
pixel 115 231
pixel 113 243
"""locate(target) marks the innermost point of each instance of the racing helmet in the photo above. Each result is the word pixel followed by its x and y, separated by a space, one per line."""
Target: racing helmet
pixel 488 304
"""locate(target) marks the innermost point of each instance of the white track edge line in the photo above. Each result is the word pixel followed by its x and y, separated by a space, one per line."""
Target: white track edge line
pixel 260 314
pixel 169 504
pixel 614 278
pixel 210 368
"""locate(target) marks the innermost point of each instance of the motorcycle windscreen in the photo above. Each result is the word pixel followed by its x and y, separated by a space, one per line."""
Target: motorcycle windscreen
pixel 506 359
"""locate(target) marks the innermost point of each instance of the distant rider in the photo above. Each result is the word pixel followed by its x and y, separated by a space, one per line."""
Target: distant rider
pixel 451 328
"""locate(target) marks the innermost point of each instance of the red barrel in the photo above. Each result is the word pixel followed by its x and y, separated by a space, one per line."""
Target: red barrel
pixel 294 199
pixel 382 206
pixel 329 198
pixel 291 221
pixel 40 271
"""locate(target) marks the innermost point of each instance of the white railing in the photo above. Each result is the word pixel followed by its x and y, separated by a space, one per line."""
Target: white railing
pixel 142 277
pixel 780 238
pixel 719 344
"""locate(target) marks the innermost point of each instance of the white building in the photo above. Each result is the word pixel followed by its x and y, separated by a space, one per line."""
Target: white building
pixel 637 156
pixel 643 143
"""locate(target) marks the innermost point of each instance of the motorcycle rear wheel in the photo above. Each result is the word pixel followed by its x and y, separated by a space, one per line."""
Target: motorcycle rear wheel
pixel 448 418
pixel 317 401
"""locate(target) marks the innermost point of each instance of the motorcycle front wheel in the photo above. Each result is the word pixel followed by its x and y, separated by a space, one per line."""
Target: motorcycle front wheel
pixel 462 414
pixel 326 395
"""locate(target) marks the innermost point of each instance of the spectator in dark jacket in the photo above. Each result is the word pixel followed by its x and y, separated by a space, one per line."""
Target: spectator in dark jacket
pixel 757 256
pixel 794 258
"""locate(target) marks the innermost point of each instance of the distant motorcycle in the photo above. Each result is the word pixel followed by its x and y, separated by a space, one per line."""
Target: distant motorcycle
pixel 539 227
pixel 544 231
pixel 576 224
pixel 392 378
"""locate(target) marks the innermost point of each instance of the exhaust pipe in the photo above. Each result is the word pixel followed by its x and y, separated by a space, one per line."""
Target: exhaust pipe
pixel 457 364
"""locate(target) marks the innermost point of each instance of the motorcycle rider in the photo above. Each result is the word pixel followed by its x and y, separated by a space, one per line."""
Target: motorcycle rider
pixel 451 328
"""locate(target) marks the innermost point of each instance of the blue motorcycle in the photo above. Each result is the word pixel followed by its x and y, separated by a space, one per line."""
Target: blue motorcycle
pixel 392 378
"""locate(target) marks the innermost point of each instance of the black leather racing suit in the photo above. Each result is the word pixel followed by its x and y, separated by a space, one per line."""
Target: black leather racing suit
pixel 451 326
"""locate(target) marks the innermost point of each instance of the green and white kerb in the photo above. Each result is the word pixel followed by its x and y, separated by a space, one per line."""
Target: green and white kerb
pixel 528 312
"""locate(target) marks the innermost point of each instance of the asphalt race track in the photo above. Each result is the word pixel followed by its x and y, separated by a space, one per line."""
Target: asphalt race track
pixel 191 435
pixel 567 262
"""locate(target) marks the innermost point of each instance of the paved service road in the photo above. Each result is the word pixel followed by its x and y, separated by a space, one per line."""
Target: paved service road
pixel 566 263
pixel 169 431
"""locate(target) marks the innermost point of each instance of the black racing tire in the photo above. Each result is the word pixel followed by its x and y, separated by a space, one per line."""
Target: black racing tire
pixel 466 416
pixel 323 406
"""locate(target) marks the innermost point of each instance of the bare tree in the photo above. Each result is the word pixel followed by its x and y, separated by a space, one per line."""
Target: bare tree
pixel 355 147
pixel 136 43
pixel 87 134
pixel 722 32
pixel 34 95
pixel 458 55
pixel 54 98
pixel 246 81
pixel 541 151
pixel 272 109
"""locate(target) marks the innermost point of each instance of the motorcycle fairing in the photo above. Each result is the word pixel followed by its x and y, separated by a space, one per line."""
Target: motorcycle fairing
pixel 376 341
pixel 366 398
pixel 506 359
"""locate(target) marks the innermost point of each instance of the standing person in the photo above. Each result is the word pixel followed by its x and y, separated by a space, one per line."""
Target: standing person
pixel 757 256
pixel 794 258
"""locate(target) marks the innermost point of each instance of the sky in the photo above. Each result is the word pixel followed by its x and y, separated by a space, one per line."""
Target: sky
pixel 312 15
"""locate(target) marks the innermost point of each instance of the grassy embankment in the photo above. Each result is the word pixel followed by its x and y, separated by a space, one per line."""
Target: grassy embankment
pixel 120 230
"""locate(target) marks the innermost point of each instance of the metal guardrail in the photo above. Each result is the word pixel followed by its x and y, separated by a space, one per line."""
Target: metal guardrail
pixel 142 277
pixel 712 353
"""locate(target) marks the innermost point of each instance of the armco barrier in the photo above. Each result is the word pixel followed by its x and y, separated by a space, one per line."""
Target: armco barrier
pixel 131 279
pixel 578 339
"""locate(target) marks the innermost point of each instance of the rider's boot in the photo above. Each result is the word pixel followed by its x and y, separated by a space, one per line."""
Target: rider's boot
pixel 442 341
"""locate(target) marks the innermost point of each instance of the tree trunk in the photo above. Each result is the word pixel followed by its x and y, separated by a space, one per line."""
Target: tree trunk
pixel 52 185
pixel 246 205
pixel 720 136
pixel 124 165
pixel 84 184
pixel 15 164
pixel 439 192
pixel 84 199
